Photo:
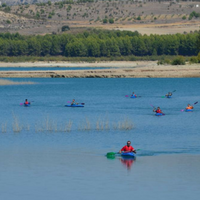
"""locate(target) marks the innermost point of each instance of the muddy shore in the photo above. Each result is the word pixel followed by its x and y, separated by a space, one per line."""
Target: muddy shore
pixel 117 70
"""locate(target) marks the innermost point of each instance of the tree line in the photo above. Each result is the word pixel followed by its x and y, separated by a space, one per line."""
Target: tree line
pixel 99 43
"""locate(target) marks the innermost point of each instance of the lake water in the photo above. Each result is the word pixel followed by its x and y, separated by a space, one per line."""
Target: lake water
pixel 49 151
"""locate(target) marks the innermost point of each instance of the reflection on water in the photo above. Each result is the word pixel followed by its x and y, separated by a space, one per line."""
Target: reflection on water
pixel 127 162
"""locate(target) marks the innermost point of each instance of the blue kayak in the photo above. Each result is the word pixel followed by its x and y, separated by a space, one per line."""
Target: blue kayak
pixel 128 154
pixel 27 105
pixel 159 114
pixel 169 96
pixel 74 105
pixel 188 110
pixel 133 96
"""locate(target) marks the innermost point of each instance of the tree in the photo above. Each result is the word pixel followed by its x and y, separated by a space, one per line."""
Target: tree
pixel 34 47
pixel 198 42
pixel 45 47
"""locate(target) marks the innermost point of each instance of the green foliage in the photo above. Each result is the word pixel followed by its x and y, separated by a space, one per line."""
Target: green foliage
pixel 198 42
pixel 111 21
pixel 8 21
pixel 198 57
pixel 65 28
pixel 193 14
pixel 194 59
pixel 4 5
pixel 7 9
pixel 138 18
pixel 100 43
pixel 184 17
pixel 105 20
pixel 69 8
pixel 179 60
pixel 37 15
pixel 49 3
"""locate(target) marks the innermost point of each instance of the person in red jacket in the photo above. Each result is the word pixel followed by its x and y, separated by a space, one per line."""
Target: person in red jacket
pixel 158 110
pixel 128 148
pixel 26 102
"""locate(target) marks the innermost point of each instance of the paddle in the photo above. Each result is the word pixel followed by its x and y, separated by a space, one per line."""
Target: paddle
pixel 192 104
pixel 171 92
pixel 77 103
pixel 114 153
pixel 23 103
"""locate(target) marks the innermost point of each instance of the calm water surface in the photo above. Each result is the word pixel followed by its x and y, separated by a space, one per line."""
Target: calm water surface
pixel 56 164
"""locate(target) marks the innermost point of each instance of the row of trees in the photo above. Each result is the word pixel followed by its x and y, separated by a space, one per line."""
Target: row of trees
pixel 99 43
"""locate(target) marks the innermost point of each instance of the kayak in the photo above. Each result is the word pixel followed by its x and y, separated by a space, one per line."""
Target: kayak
pixel 128 154
pixel 159 114
pixel 188 110
pixel 133 97
pixel 27 105
pixel 169 96
pixel 74 105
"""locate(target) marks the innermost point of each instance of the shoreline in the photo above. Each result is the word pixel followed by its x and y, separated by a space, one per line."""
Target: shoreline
pixel 67 64
pixel 118 69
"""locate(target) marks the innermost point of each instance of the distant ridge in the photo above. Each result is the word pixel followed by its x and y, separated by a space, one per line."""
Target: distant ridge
pixel 17 2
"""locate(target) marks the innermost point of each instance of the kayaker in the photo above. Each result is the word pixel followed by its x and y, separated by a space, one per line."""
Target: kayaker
pixel 189 107
pixel 158 110
pixel 128 148
pixel 73 102
pixel 26 102
pixel 133 94
pixel 169 94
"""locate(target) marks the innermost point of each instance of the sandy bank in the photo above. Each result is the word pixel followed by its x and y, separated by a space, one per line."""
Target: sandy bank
pixel 75 64
pixel 124 70
pixel 7 82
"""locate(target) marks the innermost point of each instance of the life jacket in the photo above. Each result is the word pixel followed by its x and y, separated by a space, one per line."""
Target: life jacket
pixel 158 111
pixel 189 107
pixel 26 102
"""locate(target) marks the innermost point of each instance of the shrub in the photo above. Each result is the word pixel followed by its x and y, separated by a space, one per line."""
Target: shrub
pixel 105 21
pixel 4 5
pixel 138 18
pixel 198 57
pixel 65 28
pixel 193 59
pixel 8 21
pixel 111 21
pixel 184 17
pixel 180 60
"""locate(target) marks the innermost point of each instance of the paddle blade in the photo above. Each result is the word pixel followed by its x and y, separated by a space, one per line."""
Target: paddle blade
pixel 182 110
pixel 174 91
pixel 196 102
pixel 110 155
pixel 82 103
pixel 21 104
pixel 126 95
pixel 69 102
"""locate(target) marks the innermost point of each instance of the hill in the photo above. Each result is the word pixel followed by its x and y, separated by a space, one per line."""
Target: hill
pixel 146 17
